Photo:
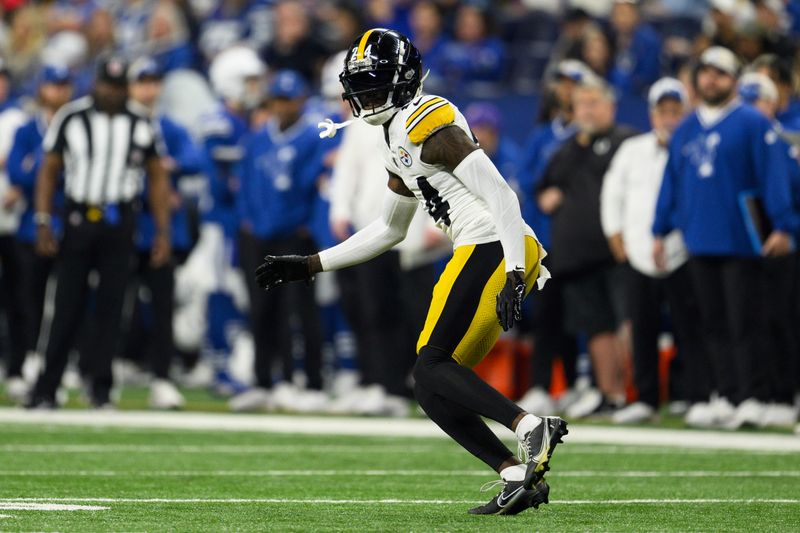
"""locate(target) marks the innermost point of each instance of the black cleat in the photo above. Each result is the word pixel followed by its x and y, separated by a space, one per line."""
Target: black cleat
pixel 514 499
pixel 538 445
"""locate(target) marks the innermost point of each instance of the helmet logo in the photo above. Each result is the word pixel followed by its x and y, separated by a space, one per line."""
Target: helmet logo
pixel 409 74
pixel 405 157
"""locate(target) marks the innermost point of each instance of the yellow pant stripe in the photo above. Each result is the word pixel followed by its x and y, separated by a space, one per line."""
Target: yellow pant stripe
pixel 484 328
pixel 442 290
pixel 362 44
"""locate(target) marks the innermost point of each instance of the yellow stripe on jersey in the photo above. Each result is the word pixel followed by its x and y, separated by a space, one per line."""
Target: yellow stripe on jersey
pixel 422 108
pixel 435 119
pixel 363 44
pixel 442 290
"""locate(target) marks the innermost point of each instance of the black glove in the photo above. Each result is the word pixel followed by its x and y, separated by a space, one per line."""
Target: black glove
pixel 509 301
pixel 279 269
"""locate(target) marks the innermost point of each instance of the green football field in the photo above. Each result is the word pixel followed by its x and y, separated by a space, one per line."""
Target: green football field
pixel 70 478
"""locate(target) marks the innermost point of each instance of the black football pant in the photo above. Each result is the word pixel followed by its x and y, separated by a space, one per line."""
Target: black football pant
pixel 779 292
pixel 88 246
pixel 382 305
pixel 728 295
pixel 154 326
pixel 550 338
pixel 14 298
pixel 279 315
pixel 689 370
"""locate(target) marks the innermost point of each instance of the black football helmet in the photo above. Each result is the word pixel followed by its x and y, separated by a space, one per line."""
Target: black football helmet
pixel 382 73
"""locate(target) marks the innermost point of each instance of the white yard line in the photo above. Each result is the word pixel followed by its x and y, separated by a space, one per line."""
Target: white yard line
pixel 338 501
pixel 210 448
pixel 30 505
pixel 396 473
pixel 579 434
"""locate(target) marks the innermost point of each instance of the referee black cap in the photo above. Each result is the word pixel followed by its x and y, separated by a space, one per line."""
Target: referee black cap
pixel 113 70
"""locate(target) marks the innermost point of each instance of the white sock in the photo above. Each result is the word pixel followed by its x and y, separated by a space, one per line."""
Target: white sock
pixel 526 425
pixel 513 473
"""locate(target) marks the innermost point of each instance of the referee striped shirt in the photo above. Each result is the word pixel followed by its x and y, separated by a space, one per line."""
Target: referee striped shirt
pixel 103 154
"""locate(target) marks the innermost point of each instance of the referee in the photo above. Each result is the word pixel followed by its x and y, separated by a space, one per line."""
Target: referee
pixel 104 145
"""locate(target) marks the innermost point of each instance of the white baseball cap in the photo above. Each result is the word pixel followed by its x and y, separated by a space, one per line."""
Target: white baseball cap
pixel 721 59
pixel 667 88
pixel 757 86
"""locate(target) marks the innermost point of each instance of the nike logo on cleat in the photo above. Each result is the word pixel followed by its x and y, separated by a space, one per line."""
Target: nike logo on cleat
pixel 502 502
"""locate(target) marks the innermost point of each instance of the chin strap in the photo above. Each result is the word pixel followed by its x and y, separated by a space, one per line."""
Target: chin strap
pixel 329 127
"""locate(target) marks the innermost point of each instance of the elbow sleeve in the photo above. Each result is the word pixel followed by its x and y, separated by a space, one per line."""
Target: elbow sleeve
pixel 480 175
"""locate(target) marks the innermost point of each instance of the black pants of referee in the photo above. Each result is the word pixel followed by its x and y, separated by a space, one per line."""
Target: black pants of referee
pixel 86 246
pixel 728 295
pixel 780 292
pixel 152 334
pixel 647 297
pixel 11 285
pixel 272 313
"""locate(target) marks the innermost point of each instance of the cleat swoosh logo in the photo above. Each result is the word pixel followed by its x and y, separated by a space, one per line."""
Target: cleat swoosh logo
pixel 503 501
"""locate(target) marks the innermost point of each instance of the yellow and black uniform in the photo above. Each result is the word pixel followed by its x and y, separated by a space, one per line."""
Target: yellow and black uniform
pixel 462 319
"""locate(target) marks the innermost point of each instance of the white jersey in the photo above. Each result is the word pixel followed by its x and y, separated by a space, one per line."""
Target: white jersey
pixel 455 209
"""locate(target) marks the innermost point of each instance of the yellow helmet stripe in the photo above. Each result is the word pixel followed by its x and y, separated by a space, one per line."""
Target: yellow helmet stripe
pixel 363 44
pixel 422 108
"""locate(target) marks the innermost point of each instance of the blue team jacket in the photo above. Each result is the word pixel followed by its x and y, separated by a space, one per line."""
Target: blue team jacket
pixel 24 161
pixel 278 179
pixel 224 133
pixel 189 160
pixel 708 170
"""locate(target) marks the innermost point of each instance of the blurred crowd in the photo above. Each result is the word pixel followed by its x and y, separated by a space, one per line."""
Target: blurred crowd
pixel 556 91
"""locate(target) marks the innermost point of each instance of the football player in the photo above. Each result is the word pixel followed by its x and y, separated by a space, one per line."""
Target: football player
pixel 432 157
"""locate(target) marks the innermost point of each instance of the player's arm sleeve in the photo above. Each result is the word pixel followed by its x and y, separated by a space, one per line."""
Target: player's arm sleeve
pixel 378 237
pixel 612 195
pixel 666 203
pixel 479 174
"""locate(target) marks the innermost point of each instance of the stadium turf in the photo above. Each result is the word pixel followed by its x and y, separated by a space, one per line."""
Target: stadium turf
pixel 164 480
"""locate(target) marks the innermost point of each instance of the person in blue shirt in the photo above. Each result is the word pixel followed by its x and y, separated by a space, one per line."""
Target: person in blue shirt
pixel 724 159
pixel 225 23
pixel 780 72
pixel 279 172
pixel 485 121
pixel 779 288
pixel 474 61
pixel 236 77
pixel 637 64
pixel 55 90
pixel 183 158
